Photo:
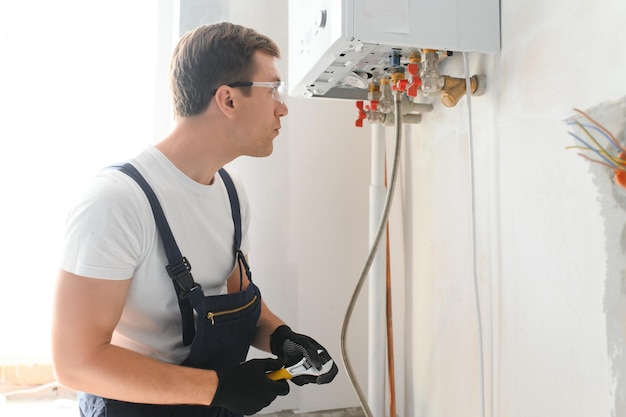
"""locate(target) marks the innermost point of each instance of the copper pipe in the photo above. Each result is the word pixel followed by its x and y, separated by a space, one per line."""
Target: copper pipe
pixel 390 357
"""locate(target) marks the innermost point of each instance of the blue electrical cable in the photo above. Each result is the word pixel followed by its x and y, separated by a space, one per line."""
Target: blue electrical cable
pixel 591 148
pixel 596 128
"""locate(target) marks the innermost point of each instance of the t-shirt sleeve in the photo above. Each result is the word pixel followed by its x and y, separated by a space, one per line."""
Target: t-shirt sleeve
pixel 104 231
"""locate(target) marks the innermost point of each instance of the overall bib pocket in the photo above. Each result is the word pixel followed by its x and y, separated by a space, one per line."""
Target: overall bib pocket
pixel 225 328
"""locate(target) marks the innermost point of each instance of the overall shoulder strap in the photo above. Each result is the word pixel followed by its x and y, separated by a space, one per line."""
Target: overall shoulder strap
pixel 178 268
pixel 236 214
pixel 234 205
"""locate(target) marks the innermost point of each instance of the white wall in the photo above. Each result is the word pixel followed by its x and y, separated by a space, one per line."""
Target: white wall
pixel 542 244
pixel 548 245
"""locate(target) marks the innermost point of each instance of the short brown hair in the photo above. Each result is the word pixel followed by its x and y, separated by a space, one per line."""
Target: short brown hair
pixel 210 56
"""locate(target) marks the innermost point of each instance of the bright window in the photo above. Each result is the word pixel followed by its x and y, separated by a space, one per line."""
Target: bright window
pixel 78 91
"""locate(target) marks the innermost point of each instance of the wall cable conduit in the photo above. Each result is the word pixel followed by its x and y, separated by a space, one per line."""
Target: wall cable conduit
pixel 481 353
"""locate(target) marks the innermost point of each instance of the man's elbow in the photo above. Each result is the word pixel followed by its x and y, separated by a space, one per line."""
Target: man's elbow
pixel 65 371
pixel 70 365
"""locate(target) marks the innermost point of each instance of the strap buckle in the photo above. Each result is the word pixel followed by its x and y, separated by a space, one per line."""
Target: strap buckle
pixel 181 275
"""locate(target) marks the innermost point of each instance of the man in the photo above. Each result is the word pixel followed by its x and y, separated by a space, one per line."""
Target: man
pixel 135 330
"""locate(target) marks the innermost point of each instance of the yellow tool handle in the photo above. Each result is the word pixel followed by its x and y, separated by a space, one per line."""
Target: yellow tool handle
pixel 282 373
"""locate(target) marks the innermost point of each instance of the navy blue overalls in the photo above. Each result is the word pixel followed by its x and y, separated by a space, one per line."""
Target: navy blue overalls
pixel 224 326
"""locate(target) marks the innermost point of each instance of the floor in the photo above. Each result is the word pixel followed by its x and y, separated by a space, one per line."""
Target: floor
pixel 69 408
pixel 55 408
pixel 50 400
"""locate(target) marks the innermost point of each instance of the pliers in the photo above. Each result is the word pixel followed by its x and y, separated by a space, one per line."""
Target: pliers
pixel 304 367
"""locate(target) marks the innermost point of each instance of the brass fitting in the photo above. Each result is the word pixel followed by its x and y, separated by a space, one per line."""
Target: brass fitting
pixel 430 76
pixel 415 57
pixel 385 104
pixel 397 74
pixel 454 88
pixel 373 91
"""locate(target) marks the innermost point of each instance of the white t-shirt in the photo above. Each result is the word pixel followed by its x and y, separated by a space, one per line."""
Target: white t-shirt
pixel 111 234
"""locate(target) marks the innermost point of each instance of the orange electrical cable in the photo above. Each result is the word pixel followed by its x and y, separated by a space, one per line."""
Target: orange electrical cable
pixel 611 136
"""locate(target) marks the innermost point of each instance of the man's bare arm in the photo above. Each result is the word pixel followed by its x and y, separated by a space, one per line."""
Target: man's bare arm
pixel 86 311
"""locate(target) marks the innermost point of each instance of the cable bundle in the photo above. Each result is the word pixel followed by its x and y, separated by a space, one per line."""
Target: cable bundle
pixel 616 163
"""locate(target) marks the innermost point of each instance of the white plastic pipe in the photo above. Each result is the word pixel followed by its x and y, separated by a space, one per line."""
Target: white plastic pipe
pixel 377 334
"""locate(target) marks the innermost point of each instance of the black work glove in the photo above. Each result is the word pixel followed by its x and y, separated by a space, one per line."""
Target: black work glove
pixel 246 387
pixel 292 347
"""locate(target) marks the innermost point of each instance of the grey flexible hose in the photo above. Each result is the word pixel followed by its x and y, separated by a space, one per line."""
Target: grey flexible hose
pixel 372 254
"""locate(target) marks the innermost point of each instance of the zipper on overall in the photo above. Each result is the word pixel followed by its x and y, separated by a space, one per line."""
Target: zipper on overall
pixel 211 316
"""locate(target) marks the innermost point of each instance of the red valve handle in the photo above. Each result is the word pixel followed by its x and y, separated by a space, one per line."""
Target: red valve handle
pixel 416 81
pixel 401 85
pixel 362 115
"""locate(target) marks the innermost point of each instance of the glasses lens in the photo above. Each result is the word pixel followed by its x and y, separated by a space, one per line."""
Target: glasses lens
pixel 279 92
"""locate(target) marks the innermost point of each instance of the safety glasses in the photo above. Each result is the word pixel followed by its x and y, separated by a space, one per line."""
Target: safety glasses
pixel 278 88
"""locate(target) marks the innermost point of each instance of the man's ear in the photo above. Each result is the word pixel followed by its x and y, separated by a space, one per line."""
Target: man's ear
pixel 224 100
